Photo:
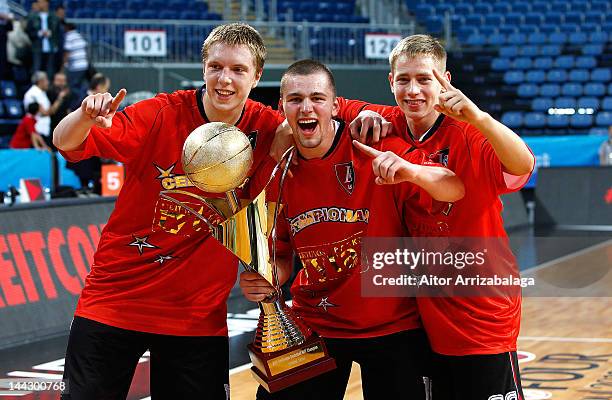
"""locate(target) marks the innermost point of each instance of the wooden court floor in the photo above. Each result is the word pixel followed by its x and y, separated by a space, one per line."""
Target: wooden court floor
pixel 565 343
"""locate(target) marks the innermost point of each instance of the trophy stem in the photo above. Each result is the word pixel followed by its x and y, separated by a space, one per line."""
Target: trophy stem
pixel 278 328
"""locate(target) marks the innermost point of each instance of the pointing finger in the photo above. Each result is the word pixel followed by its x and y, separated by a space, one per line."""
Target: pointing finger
pixel 442 79
pixel 117 100
pixel 367 150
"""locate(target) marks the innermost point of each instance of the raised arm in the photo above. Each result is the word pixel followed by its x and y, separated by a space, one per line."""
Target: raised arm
pixel 96 110
pixel 512 152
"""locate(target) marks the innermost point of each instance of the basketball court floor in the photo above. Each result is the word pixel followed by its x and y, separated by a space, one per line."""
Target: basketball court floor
pixel 565 345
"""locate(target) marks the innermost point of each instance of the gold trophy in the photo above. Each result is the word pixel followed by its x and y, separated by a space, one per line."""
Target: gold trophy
pixel 217 158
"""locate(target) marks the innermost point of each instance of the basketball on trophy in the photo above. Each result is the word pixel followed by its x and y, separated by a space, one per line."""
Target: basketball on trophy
pixel 217 157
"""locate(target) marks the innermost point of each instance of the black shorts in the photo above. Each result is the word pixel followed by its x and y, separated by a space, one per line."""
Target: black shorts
pixel 392 367
pixel 476 377
pixel 101 360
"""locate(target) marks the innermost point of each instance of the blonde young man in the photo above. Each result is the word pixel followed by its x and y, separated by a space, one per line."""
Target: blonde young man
pixel 159 281
pixel 474 338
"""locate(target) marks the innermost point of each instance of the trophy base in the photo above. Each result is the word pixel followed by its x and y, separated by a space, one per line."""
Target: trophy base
pixel 280 369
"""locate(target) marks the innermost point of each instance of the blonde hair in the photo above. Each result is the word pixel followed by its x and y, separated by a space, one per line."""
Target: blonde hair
pixel 236 34
pixel 419 45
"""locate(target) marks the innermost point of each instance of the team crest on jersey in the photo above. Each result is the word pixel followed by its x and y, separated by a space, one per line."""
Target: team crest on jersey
pixel 253 138
pixel 345 173
pixel 440 156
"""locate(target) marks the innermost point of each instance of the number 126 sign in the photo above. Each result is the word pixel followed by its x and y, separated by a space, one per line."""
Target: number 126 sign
pixel 379 45
pixel 144 43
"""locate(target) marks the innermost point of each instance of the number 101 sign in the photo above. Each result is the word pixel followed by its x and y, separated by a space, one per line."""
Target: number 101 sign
pixel 144 43
pixel 379 45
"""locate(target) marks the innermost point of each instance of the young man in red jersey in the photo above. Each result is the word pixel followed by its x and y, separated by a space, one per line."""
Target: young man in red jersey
pixel 341 192
pixel 159 281
pixel 474 338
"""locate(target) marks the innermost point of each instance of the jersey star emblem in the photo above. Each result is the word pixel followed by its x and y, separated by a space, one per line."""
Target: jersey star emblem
pixel 141 243
pixel 163 258
pixel 324 303
pixel 165 173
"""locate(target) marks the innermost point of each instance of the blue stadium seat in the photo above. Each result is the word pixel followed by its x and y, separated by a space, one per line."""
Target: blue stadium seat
pixel 564 62
pixel 592 49
pixel 571 89
pixel 565 102
pixel 601 75
pixel 514 77
pixel 518 39
pixel 594 17
pixel 550 90
pixel 542 104
pixel 587 62
pixel 557 38
pixel 522 63
pixel 579 75
pixel 610 89
pixel 8 90
pixel 581 121
pixel 463 32
pixel 594 89
pixel 534 18
pixel 529 50
pixel 13 108
pixel 147 14
pixel 501 64
pixel 496 39
pixel 602 6
pixel 527 90
pixel 557 121
pixel 474 20
pixel 550 50
pixel 554 17
pixel 502 8
pixel 598 130
pixel 508 29
pixel 606 103
pixel 127 14
pixel 537 38
pixel 476 39
pixel 463 9
pixel 189 14
pixel 543 62
pixel 570 28
pixel 556 75
pixel 522 7
pixel 494 19
pixel 561 6
pixel 135 5
pixel 535 76
pixel 577 38
pixel 483 8
pixel 105 14
pixel 512 119
pixel 598 37
pixel 604 118
pixel 514 18
pixel 168 14
pixel 534 120
pixel 424 10
pixel 84 13
pixel 548 28
pixel 574 17
pixel 588 102
pixel 508 51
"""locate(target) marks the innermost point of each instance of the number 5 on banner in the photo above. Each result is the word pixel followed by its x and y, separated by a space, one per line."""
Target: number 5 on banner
pixel 112 179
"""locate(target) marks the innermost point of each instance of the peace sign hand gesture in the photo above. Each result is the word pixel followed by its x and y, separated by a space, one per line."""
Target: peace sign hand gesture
pixel 455 104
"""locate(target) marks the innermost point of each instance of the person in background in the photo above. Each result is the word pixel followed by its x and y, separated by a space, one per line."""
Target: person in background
pixel 44 31
pixel 605 150
pixel 25 136
pixel 6 25
pixel 75 58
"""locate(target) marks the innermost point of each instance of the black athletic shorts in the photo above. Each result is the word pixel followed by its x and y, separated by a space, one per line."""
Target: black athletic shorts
pixel 392 367
pixel 476 377
pixel 101 360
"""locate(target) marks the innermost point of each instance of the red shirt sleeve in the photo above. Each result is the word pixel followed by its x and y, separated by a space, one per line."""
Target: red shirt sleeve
pixel 488 165
pixel 123 140
pixel 349 109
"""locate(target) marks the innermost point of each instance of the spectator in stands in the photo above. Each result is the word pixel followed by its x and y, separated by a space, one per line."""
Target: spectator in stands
pixel 19 47
pixel 75 58
pixel 605 150
pixel 6 24
pixel 44 31
pixel 26 137
pixel 60 13
pixel 38 94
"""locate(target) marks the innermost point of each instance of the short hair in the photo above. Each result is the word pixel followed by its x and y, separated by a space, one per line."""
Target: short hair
pixel 419 45
pixel 38 76
pixel 96 80
pixel 307 67
pixel 33 108
pixel 236 34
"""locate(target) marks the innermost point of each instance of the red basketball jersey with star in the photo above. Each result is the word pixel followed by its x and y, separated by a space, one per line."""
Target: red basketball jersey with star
pixel 464 325
pixel 157 269
pixel 330 204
